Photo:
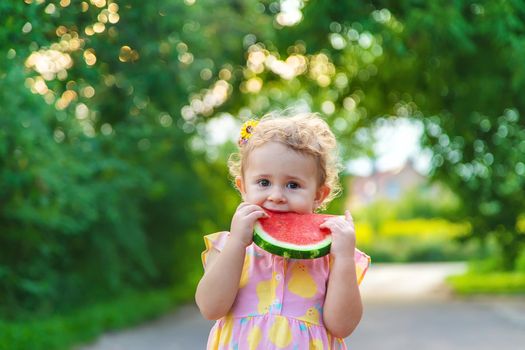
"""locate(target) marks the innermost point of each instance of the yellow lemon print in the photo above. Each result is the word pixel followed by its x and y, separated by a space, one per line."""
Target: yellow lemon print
pixel 214 344
pixel 245 274
pixel 316 344
pixel 359 273
pixel 301 282
pixel 254 338
pixel 311 315
pixel 266 294
pixel 226 331
pixel 280 333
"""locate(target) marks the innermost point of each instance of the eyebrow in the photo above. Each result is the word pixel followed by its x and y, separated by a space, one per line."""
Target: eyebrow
pixel 295 178
pixel 287 176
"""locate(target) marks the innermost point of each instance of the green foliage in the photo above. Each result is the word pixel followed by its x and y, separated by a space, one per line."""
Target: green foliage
pixel 338 205
pixel 421 226
pixel 420 249
pixel 520 263
pixel 426 202
pixel 63 331
pixel 65 211
pixel 103 186
pixel 477 133
pixel 487 276
pixel 456 66
pixel 429 201
pixel 100 189
pixel 491 283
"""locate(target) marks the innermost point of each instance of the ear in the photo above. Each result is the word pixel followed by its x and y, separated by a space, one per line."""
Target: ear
pixel 240 185
pixel 321 194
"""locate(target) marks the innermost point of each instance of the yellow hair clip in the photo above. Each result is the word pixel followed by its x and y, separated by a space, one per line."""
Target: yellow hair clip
pixel 247 130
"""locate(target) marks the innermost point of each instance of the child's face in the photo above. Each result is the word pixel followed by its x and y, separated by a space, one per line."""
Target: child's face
pixel 281 179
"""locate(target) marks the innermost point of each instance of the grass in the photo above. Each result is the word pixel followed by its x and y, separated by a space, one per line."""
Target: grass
pixel 415 240
pixel 493 283
pixel 64 331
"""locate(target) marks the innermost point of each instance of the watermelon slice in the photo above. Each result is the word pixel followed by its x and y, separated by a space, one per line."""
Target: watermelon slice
pixel 293 235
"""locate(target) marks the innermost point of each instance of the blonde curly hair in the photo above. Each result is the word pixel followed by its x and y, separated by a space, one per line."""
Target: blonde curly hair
pixel 305 133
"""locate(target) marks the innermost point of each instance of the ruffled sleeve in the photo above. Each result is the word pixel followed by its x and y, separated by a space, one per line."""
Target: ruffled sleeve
pixel 362 262
pixel 216 240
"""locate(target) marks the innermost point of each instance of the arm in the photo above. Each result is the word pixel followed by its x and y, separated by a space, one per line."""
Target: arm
pixel 218 287
pixel 217 290
pixel 343 308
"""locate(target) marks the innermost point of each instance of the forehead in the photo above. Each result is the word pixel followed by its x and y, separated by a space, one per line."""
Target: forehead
pixel 279 159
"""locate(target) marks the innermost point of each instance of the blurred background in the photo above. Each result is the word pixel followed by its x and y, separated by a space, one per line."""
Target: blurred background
pixel 117 118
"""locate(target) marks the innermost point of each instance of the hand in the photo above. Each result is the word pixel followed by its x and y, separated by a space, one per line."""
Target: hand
pixel 243 221
pixel 343 235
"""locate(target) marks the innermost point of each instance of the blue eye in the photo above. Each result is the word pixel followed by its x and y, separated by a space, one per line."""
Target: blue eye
pixel 292 185
pixel 263 182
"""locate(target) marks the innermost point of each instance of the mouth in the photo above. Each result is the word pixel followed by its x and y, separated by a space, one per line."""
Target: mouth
pixel 276 210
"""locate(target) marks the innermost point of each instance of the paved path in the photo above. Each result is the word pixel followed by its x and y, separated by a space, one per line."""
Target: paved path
pixel 442 325
pixel 406 307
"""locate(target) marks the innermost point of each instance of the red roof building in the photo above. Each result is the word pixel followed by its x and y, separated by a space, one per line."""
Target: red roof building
pixel 390 185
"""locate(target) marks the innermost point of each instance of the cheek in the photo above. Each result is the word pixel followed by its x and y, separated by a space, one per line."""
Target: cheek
pixel 302 197
pixel 253 192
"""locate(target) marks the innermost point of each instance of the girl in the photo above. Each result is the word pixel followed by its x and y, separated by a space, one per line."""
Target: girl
pixel 263 301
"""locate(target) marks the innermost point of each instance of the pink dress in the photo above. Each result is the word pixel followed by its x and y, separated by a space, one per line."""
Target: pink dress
pixel 279 304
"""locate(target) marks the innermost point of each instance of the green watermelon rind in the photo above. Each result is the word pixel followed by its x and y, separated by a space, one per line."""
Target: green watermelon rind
pixel 290 250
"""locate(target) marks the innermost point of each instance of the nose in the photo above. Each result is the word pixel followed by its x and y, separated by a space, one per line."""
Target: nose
pixel 277 195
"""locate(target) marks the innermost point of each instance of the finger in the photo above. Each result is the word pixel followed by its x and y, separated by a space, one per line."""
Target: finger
pixel 348 216
pixel 242 205
pixel 253 216
pixel 337 224
pixel 261 208
pixel 333 219
pixel 248 207
pixel 327 224
pixel 254 207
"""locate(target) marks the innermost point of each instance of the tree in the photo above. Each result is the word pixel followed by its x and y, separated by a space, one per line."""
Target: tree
pixel 101 189
pixel 456 66
pixel 103 155
pixel 466 58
